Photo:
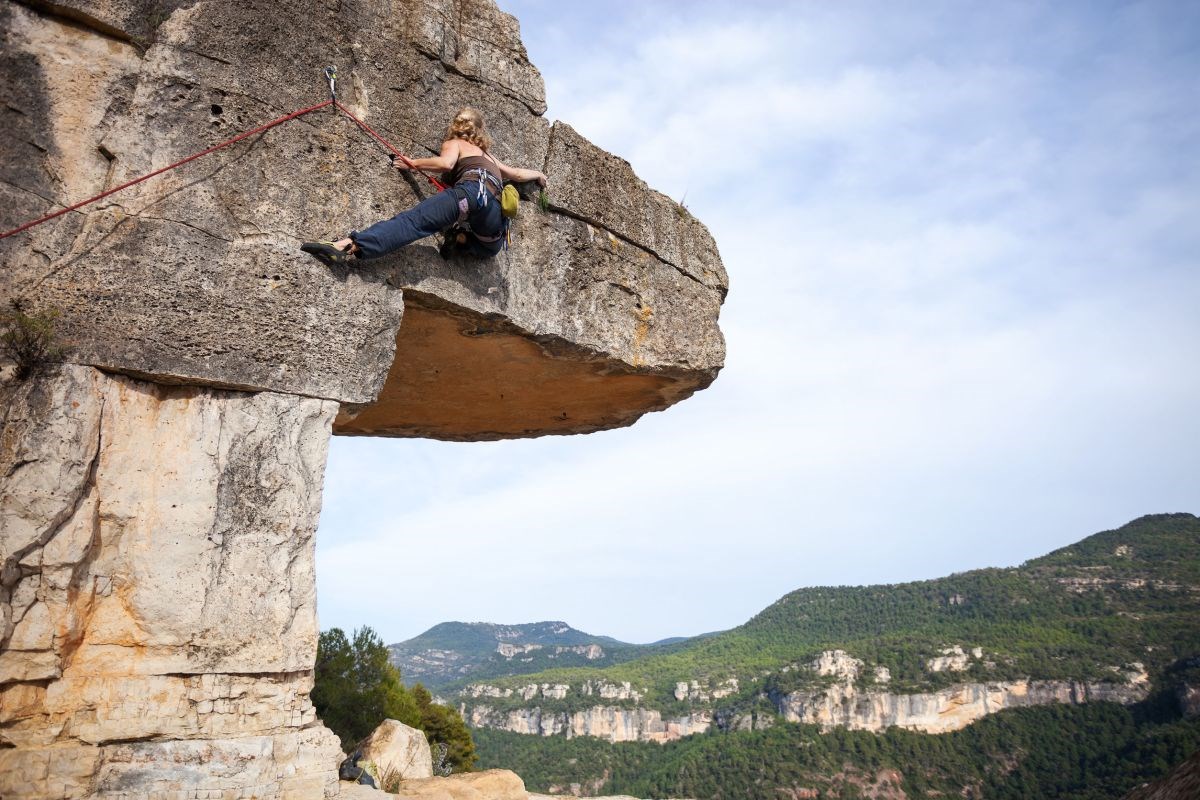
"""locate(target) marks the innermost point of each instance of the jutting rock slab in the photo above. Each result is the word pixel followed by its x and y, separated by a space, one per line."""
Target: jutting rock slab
pixel 160 493
pixel 604 308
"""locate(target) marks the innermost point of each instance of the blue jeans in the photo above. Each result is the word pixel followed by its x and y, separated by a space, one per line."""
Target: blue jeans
pixel 433 215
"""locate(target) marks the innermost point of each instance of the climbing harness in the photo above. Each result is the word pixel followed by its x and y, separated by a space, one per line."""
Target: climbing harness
pixel 330 75
pixel 482 194
pixel 507 196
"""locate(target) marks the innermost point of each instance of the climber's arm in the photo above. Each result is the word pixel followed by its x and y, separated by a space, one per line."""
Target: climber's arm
pixel 440 163
pixel 520 175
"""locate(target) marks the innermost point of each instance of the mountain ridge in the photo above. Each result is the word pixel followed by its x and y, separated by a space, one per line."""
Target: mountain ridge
pixel 1074 674
pixel 832 615
pixel 451 652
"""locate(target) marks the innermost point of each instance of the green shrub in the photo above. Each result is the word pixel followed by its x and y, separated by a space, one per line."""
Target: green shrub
pixel 356 687
pixel 28 339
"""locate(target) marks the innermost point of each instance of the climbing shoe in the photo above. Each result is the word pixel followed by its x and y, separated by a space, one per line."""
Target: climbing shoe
pixel 326 252
pixel 453 241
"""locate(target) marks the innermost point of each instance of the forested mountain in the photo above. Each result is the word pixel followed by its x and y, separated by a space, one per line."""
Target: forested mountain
pixel 1094 649
pixel 1117 598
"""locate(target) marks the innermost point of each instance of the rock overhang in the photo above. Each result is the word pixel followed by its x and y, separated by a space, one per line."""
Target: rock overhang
pixel 604 308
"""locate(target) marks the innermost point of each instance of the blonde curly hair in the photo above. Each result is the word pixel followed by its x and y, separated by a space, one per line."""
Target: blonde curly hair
pixel 468 124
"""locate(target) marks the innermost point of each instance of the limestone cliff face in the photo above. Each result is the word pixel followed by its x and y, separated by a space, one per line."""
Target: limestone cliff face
pixel 159 624
pixel 605 722
pixel 839 703
pixel 943 711
pixel 159 494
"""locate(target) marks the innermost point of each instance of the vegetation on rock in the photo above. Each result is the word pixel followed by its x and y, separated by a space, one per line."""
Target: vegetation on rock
pixel 28 339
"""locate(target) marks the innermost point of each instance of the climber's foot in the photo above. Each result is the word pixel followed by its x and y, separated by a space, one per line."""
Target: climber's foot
pixel 328 253
pixel 451 242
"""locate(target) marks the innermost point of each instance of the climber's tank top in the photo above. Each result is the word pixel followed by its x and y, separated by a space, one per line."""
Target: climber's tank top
pixel 469 168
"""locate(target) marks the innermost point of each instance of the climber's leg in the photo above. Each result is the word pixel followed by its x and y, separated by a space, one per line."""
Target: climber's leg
pixel 432 215
pixel 487 221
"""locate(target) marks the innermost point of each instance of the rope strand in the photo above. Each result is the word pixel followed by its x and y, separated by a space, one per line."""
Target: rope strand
pixel 438 184
pixel 180 163
pixel 260 129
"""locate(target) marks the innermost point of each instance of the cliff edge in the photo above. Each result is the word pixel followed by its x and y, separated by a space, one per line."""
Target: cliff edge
pixel 160 491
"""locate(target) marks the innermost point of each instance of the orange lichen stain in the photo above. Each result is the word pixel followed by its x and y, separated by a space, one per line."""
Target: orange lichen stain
pixel 455 378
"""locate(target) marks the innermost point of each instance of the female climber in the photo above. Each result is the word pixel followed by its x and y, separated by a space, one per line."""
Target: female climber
pixel 471 204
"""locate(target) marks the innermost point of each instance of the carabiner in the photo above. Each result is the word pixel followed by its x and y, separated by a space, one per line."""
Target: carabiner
pixel 331 76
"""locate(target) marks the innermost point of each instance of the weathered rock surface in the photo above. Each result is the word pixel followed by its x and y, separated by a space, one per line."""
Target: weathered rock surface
pixel 157 588
pixel 396 749
pixel 161 491
pixel 358 791
pixel 605 307
pixel 843 706
pixel 491 784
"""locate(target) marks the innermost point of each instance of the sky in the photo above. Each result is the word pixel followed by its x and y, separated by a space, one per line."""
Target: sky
pixel 963 325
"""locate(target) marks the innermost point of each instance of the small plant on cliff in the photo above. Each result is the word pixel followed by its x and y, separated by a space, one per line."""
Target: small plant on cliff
pixel 543 200
pixel 28 339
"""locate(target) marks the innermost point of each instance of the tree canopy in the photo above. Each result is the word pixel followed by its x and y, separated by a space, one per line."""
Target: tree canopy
pixel 356 688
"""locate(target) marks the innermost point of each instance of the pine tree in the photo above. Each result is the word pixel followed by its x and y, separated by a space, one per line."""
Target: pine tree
pixel 355 686
pixel 444 725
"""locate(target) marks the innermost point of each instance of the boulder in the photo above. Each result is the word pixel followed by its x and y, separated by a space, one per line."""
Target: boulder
pixel 398 751
pixel 357 791
pixel 491 784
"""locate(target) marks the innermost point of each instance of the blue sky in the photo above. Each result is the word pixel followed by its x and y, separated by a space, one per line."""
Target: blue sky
pixel 963 242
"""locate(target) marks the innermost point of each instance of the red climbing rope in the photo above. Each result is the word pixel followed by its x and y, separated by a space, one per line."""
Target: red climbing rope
pixel 179 163
pixel 261 128
pixel 440 186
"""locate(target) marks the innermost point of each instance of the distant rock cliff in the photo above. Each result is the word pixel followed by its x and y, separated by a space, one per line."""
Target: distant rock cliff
pixel 844 705
pixel 160 493
pixel 838 703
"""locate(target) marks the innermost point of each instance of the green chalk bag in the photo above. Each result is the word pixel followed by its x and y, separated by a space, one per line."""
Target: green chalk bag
pixel 509 200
